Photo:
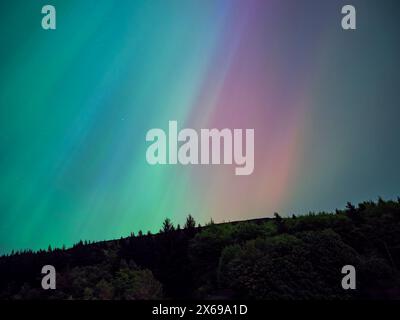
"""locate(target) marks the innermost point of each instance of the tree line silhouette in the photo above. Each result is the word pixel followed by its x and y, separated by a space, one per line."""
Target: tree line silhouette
pixel 298 257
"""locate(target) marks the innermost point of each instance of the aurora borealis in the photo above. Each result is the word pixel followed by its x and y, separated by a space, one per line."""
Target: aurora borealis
pixel 76 103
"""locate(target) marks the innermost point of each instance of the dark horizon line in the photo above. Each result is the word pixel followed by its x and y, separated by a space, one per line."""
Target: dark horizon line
pixel 14 252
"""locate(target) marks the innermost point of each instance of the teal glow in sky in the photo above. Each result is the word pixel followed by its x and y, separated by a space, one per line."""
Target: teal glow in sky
pixel 76 103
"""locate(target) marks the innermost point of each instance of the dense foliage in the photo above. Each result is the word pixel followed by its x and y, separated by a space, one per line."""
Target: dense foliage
pixel 278 258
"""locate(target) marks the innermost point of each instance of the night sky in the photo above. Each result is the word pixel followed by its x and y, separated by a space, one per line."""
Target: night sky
pixel 76 104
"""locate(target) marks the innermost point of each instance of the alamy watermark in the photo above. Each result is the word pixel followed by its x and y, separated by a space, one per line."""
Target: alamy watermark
pixel 187 146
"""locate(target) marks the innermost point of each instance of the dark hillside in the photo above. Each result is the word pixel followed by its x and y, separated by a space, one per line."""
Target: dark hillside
pixel 300 257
